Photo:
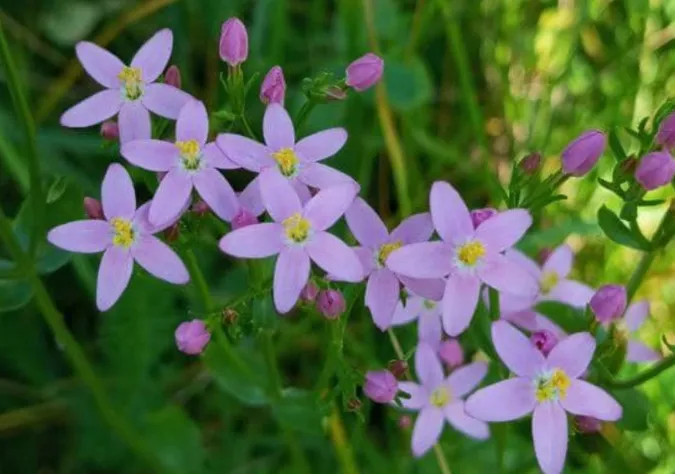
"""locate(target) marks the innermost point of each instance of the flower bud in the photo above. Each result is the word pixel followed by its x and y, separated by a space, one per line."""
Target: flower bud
pixel 405 422
pixel 192 337
pixel 243 218
pixel 543 340
pixel 364 72
pixel 583 152
pixel 398 368
pixel 609 303
pixel 451 353
pixel 200 207
pixel 233 42
pixel 530 164
pixel 93 208
pixel 655 170
pixel 273 88
pixel 478 216
pixel 331 303
pixel 381 386
pixel 666 134
pixel 309 292
pixel 172 76
pixel 587 424
pixel 110 131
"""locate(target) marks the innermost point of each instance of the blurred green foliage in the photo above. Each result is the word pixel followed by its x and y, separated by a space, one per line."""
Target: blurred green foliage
pixel 472 86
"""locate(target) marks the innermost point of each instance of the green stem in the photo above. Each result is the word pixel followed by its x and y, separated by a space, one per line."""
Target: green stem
pixel 303 113
pixel 199 280
pixel 26 119
pixel 270 361
pixel 648 374
pixel 248 128
pixel 494 304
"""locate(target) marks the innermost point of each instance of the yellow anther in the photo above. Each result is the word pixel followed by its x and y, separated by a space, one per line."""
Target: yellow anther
pixel 387 249
pixel 553 386
pixel 190 153
pixel 469 254
pixel 287 161
pixel 430 304
pixel 440 397
pixel 123 232
pixel 297 228
pixel 548 281
pixel 132 80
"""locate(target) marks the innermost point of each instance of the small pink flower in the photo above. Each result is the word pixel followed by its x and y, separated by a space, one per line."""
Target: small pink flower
pixel 365 72
pixel 330 303
pixel 581 155
pixel 609 303
pixel 273 88
pixel 655 170
pixel 549 386
pixel 125 236
pixel 530 164
pixel 172 76
pixel 380 386
pixel 451 353
pixel 544 340
pixel 93 208
pixel 478 216
pixel 131 91
pixel 233 42
pixel 192 337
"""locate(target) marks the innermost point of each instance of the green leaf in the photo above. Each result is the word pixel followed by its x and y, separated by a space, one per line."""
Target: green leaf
pixel 408 84
pixel 616 147
pixel 14 295
pixel 299 410
pixel 176 440
pixel 635 409
pixel 263 313
pixel 617 231
pixel 480 331
pixel 569 318
pixel 56 190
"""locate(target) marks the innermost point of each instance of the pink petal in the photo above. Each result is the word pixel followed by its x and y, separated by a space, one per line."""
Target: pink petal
pixel 573 354
pixel 428 367
pixel 117 193
pixel 193 122
pixel 504 229
pixel 365 224
pixel 250 198
pixel 320 176
pixel 103 66
pixel 418 395
pixel 113 276
pixel 560 261
pixel 278 128
pixel 172 194
pixel 142 219
pixel 570 292
pixel 429 288
pixel 290 276
pixel 549 431
pixel 543 323
pixel 215 158
pixel 416 228
pixel 154 55
pixel 335 257
pixel 217 193
pixel 636 314
pixel 160 260
pixel 328 205
pixel 247 153
pixel 153 155
pixel 302 191
pixel 427 430
pixel 638 352
pixel 404 314
pixel 321 145
pixel 586 399
pixel 457 417
pixel 525 262
pixel 429 328
pixel 253 241
pixel 366 258
pixel 510 303
pixel 165 100
pixel 134 122
pixel 422 260
pixel 459 302
pixel 504 401
pixel 92 110
pixel 450 215
pixel 382 296
pixel 515 350
pixel 526 319
pixel 278 195
pixel 88 236
pixel 464 379
pixel 502 274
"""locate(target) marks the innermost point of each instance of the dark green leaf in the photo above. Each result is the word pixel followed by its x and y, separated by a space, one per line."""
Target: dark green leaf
pixel 617 231
pixel 408 84
pixel 176 440
pixel 616 147
pixel 635 409
pixel 569 318
pixel 299 410
pixel 56 190
pixel 14 295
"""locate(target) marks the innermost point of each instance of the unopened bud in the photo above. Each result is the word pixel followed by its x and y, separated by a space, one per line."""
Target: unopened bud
pixel 110 131
pixel 192 337
pixel 478 216
pixel 451 353
pixel 172 76
pixel 233 46
pixel 381 386
pixel 243 218
pixel 587 424
pixel 582 153
pixel 273 88
pixel 398 368
pixel 93 208
pixel 200 207
pixel 309 292
pixel 609 303
pixel 666 134
pixel 544 340
pixel 365 72
pixel 655 170
pixel 530 164
pixel 330 303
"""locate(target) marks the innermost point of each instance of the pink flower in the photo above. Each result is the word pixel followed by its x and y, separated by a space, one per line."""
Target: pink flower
pixel 192 337
pixel 297 162
pixel 233 42
pixel 382 290
pixel 427 312
pixel 549 386
pixel 655 170
pixel 298 234
pixel 130 91
pixel 581 155
pixel 309 292
pixel 440 399
pixel 190 163
pixel 124 237
pixel 365 72
pixel 609 303
pixel 273 88
pixel 381 386
pixel 330 303
pixel 636 314
pixel 467 256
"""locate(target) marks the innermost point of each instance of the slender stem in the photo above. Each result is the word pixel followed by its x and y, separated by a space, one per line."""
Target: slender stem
pixel 342 447
pixel 648 374
pixel 36 415
pixel 248 128
pixel 303 113
pixel 440 457
pixel 199 280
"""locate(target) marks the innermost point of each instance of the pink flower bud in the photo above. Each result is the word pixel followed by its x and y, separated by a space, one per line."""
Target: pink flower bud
pixel 200 207
pixel 93 208
pixel 655 170
pixel 110 131
pixel 233 42
pixel 451 353
pixel 543 340
pixel 243 218
pixel 192 337
pixel 398 368
pixel 609 303
pixel 364 72
pixel 405 422
pixel 530 164
pixel 666 134
pixel 331 303
pixel 583 152
pixel 381 386
pixel 478 216
pixel 273 88
pixel 309 292
pixel 587 424
pixel 172 76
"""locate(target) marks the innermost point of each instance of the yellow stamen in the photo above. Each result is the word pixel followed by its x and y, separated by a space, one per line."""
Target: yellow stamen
pixel 440 397
pixel 548 281
pixel 387 249
pixel 553 387
pixel 132 80
pixel 123 232
pixel 287 161
pixel 296 228
pixel 470 253
pixel 429 304
pixel 190 152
